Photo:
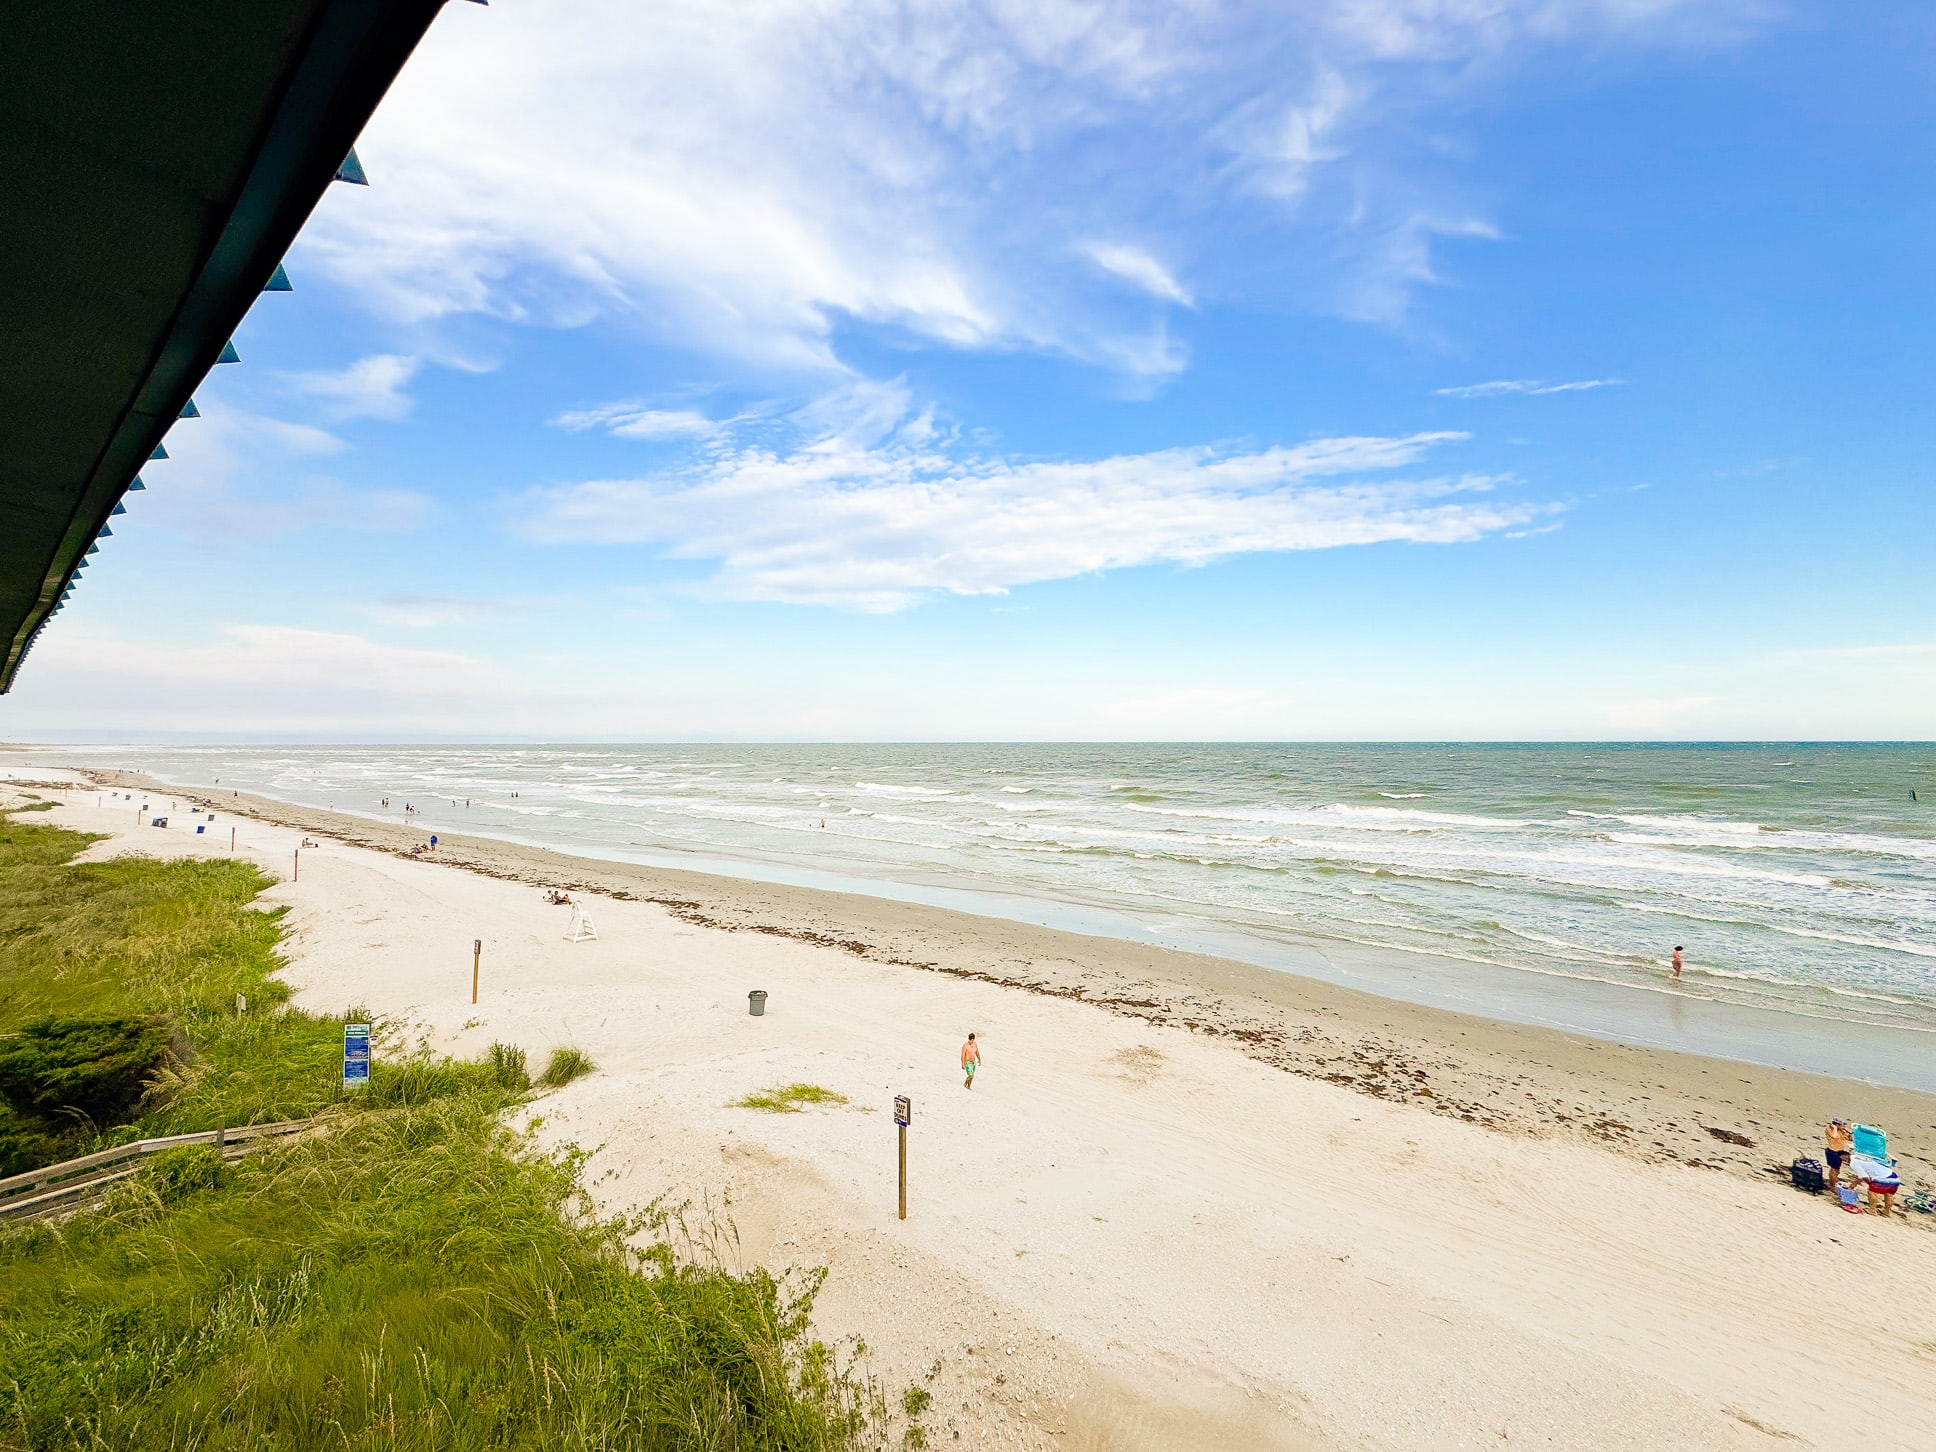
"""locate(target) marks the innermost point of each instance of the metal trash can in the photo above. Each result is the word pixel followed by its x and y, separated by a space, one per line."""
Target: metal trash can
pixel 756 1002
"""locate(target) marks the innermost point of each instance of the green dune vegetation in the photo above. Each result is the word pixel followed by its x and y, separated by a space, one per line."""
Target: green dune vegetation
pixel 411 1274
pixel 789 1098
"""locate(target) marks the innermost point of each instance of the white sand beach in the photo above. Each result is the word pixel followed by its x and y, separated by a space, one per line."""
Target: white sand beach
pixel 1187 1203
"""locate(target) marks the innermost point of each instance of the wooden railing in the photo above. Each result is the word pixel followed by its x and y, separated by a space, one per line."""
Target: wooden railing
pixel 72 1183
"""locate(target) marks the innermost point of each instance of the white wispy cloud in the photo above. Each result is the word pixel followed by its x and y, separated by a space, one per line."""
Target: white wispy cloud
pixel 1396 260
pixel 287 682
pixel 1529 386
pixel 1282 142
pixel 282 655
pixel 747 179
pixel 233 474
pixel 876 508
pixel 639 421
pixel 1135 266
pixel 371 387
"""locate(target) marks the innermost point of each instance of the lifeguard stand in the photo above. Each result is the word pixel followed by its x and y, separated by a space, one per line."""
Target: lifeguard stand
pixel 581 929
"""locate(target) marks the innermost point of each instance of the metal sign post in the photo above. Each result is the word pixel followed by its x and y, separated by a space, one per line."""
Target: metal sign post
pixel 356 1055
pixel 903 1112
pixel 477 956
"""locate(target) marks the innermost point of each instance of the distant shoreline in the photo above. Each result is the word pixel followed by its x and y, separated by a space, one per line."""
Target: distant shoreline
pixel 1685 1017
pixel 1654 1101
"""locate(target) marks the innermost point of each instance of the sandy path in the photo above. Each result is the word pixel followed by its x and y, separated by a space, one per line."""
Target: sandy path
pixel 1129 1234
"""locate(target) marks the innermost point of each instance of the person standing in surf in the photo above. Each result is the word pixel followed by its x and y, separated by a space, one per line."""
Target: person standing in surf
pixel 970 1061
pixel 1677 960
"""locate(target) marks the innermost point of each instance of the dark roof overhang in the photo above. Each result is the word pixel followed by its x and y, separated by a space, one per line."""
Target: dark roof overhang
pixel 156 161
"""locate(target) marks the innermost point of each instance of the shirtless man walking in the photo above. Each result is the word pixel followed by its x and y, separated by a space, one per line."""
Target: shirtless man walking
pixel 970 1061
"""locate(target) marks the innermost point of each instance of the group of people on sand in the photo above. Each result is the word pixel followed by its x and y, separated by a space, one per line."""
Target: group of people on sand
pixel 557 898
pixel 1878 1179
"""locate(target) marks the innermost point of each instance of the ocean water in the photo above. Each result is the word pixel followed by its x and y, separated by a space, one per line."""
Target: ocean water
pixel 1800 878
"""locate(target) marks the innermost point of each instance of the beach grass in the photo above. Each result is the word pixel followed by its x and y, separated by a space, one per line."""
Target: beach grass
pixel 414 1277
pixel 86 946
pixel 508 1067
pixel 409 1274
pixel 789 1098
pixel 565 1065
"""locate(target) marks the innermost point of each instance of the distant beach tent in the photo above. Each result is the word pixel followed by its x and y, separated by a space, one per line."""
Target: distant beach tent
pixel 581 929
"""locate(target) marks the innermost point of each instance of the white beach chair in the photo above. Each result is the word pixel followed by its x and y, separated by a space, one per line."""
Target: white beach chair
pixel 1869 1158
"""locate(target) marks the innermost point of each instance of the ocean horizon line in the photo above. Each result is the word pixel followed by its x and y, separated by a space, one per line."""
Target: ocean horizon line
pixel 269 741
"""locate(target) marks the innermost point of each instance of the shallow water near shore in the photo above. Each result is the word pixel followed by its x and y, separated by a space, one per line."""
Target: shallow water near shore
pixel 1539 883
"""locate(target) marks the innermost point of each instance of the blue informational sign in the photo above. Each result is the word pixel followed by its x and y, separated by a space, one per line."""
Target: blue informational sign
pixel 356 1054
pixel 903 1111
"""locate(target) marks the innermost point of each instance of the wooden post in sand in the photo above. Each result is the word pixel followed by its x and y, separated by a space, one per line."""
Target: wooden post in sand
pixel 477 956
pixel 298 873
pixel 231 839
pixel 903 1112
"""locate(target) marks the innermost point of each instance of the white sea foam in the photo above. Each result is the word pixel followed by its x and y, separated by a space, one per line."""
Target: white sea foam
pixel 915 793
pixel 1527 857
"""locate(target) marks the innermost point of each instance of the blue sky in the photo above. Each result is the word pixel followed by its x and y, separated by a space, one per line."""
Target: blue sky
pixel 1344 369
